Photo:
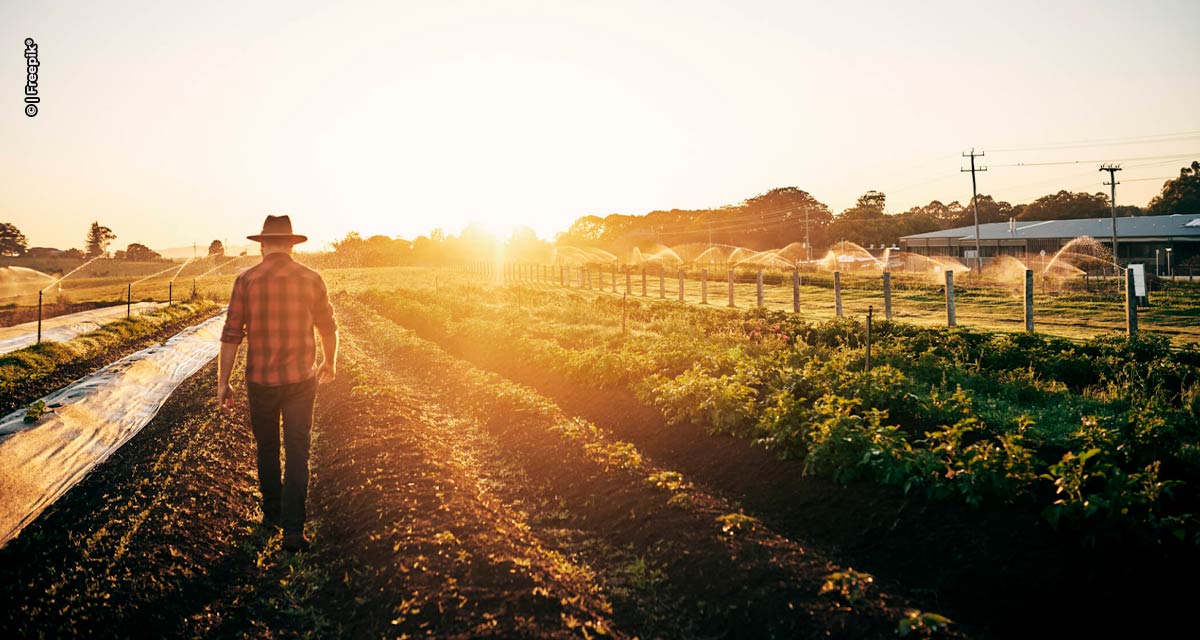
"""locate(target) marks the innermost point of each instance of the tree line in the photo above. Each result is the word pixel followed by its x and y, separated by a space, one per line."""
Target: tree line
pixel 96 243
pixel 788 214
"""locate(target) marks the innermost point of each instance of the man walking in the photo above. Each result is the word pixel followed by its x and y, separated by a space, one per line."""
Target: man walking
pixel 275 305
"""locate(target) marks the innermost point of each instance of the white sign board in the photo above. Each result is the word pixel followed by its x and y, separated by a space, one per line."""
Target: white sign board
pixel 1139 280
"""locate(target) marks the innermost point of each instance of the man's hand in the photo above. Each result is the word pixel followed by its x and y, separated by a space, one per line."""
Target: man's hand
pixel 225 397
pixel 326 373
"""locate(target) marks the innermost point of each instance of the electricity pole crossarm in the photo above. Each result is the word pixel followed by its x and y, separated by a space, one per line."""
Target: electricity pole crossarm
pixel 1112 170
pixel 975 205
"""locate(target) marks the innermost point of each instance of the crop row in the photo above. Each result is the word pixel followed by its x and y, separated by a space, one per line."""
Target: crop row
pixel 1099 432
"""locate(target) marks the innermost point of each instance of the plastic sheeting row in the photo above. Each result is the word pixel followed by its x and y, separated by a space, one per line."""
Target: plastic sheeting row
pixel 65 327
pixel 90 419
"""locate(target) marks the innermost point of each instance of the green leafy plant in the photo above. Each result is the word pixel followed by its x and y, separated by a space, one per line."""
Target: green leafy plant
pixel 35 411
pixel 922 623
pixel 669 480
pixel 849 585
pixel 735 523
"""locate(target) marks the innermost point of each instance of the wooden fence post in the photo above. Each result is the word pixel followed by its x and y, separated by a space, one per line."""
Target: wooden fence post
pixel 950 322
pixel 730 278
pixel 837 293
pixel 1029 300
pixel 887 295
pixel 796 290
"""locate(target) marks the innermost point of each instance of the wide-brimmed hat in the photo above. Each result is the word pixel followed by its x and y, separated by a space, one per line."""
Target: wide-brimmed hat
pixel 278 228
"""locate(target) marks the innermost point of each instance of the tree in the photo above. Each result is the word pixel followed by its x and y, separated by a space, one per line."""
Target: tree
pixel 585 230
pixel 990 210
pixel 12 241
pixel 216 249
pixel 872 200
pixel 98 239
pixel 865 223
pixel 1181 195
pixel 140 253
pixel 943 216
pixel 1066 205
pixel 777 218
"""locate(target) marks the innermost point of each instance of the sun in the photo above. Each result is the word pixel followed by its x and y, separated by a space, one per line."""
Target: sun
pixel 499 229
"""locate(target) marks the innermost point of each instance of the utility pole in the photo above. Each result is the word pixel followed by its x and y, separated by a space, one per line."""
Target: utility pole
pixel 975 204
pixel 1112 170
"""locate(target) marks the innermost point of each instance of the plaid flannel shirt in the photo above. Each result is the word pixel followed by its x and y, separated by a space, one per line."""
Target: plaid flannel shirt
pixel 276 305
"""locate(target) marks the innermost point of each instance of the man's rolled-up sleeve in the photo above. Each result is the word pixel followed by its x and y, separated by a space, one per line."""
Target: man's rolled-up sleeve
pixel 235 317
pixel 322 309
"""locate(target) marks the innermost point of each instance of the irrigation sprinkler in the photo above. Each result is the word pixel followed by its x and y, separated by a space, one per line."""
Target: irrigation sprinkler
pixel 760 285
pixel 795 290
pixel 628 281
pixel 704 286
pixel 128 299
pixel 1130 304
pixel 662 282
pixel 171 293
pixel 1029 300
pixel 43 290
pixel 870 314
pixel 950 298
pixel 643 281
pixel 837 293
pixel 681 276
pixel 729 277
pixel 887 295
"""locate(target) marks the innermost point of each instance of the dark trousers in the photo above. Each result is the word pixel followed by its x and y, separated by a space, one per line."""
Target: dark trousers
pixel 294 402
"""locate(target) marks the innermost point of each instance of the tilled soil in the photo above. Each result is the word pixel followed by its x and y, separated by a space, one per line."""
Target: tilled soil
pixel 444 502
pixel 600 546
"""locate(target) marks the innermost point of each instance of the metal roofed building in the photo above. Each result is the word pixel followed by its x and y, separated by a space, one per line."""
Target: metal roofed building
pixel 1137 238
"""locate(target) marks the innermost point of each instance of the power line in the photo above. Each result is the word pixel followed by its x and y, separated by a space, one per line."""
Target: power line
pixel 1047 164
pixel 1144 179
pixel 1103 142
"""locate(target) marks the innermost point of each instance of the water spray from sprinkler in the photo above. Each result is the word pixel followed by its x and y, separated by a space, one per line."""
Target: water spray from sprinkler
pixel 69 273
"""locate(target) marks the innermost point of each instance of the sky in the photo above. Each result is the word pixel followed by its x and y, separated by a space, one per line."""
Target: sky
pixel 176 123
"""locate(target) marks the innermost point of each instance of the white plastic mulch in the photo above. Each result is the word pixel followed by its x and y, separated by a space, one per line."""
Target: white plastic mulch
pixel 91 418
pixel 65 327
